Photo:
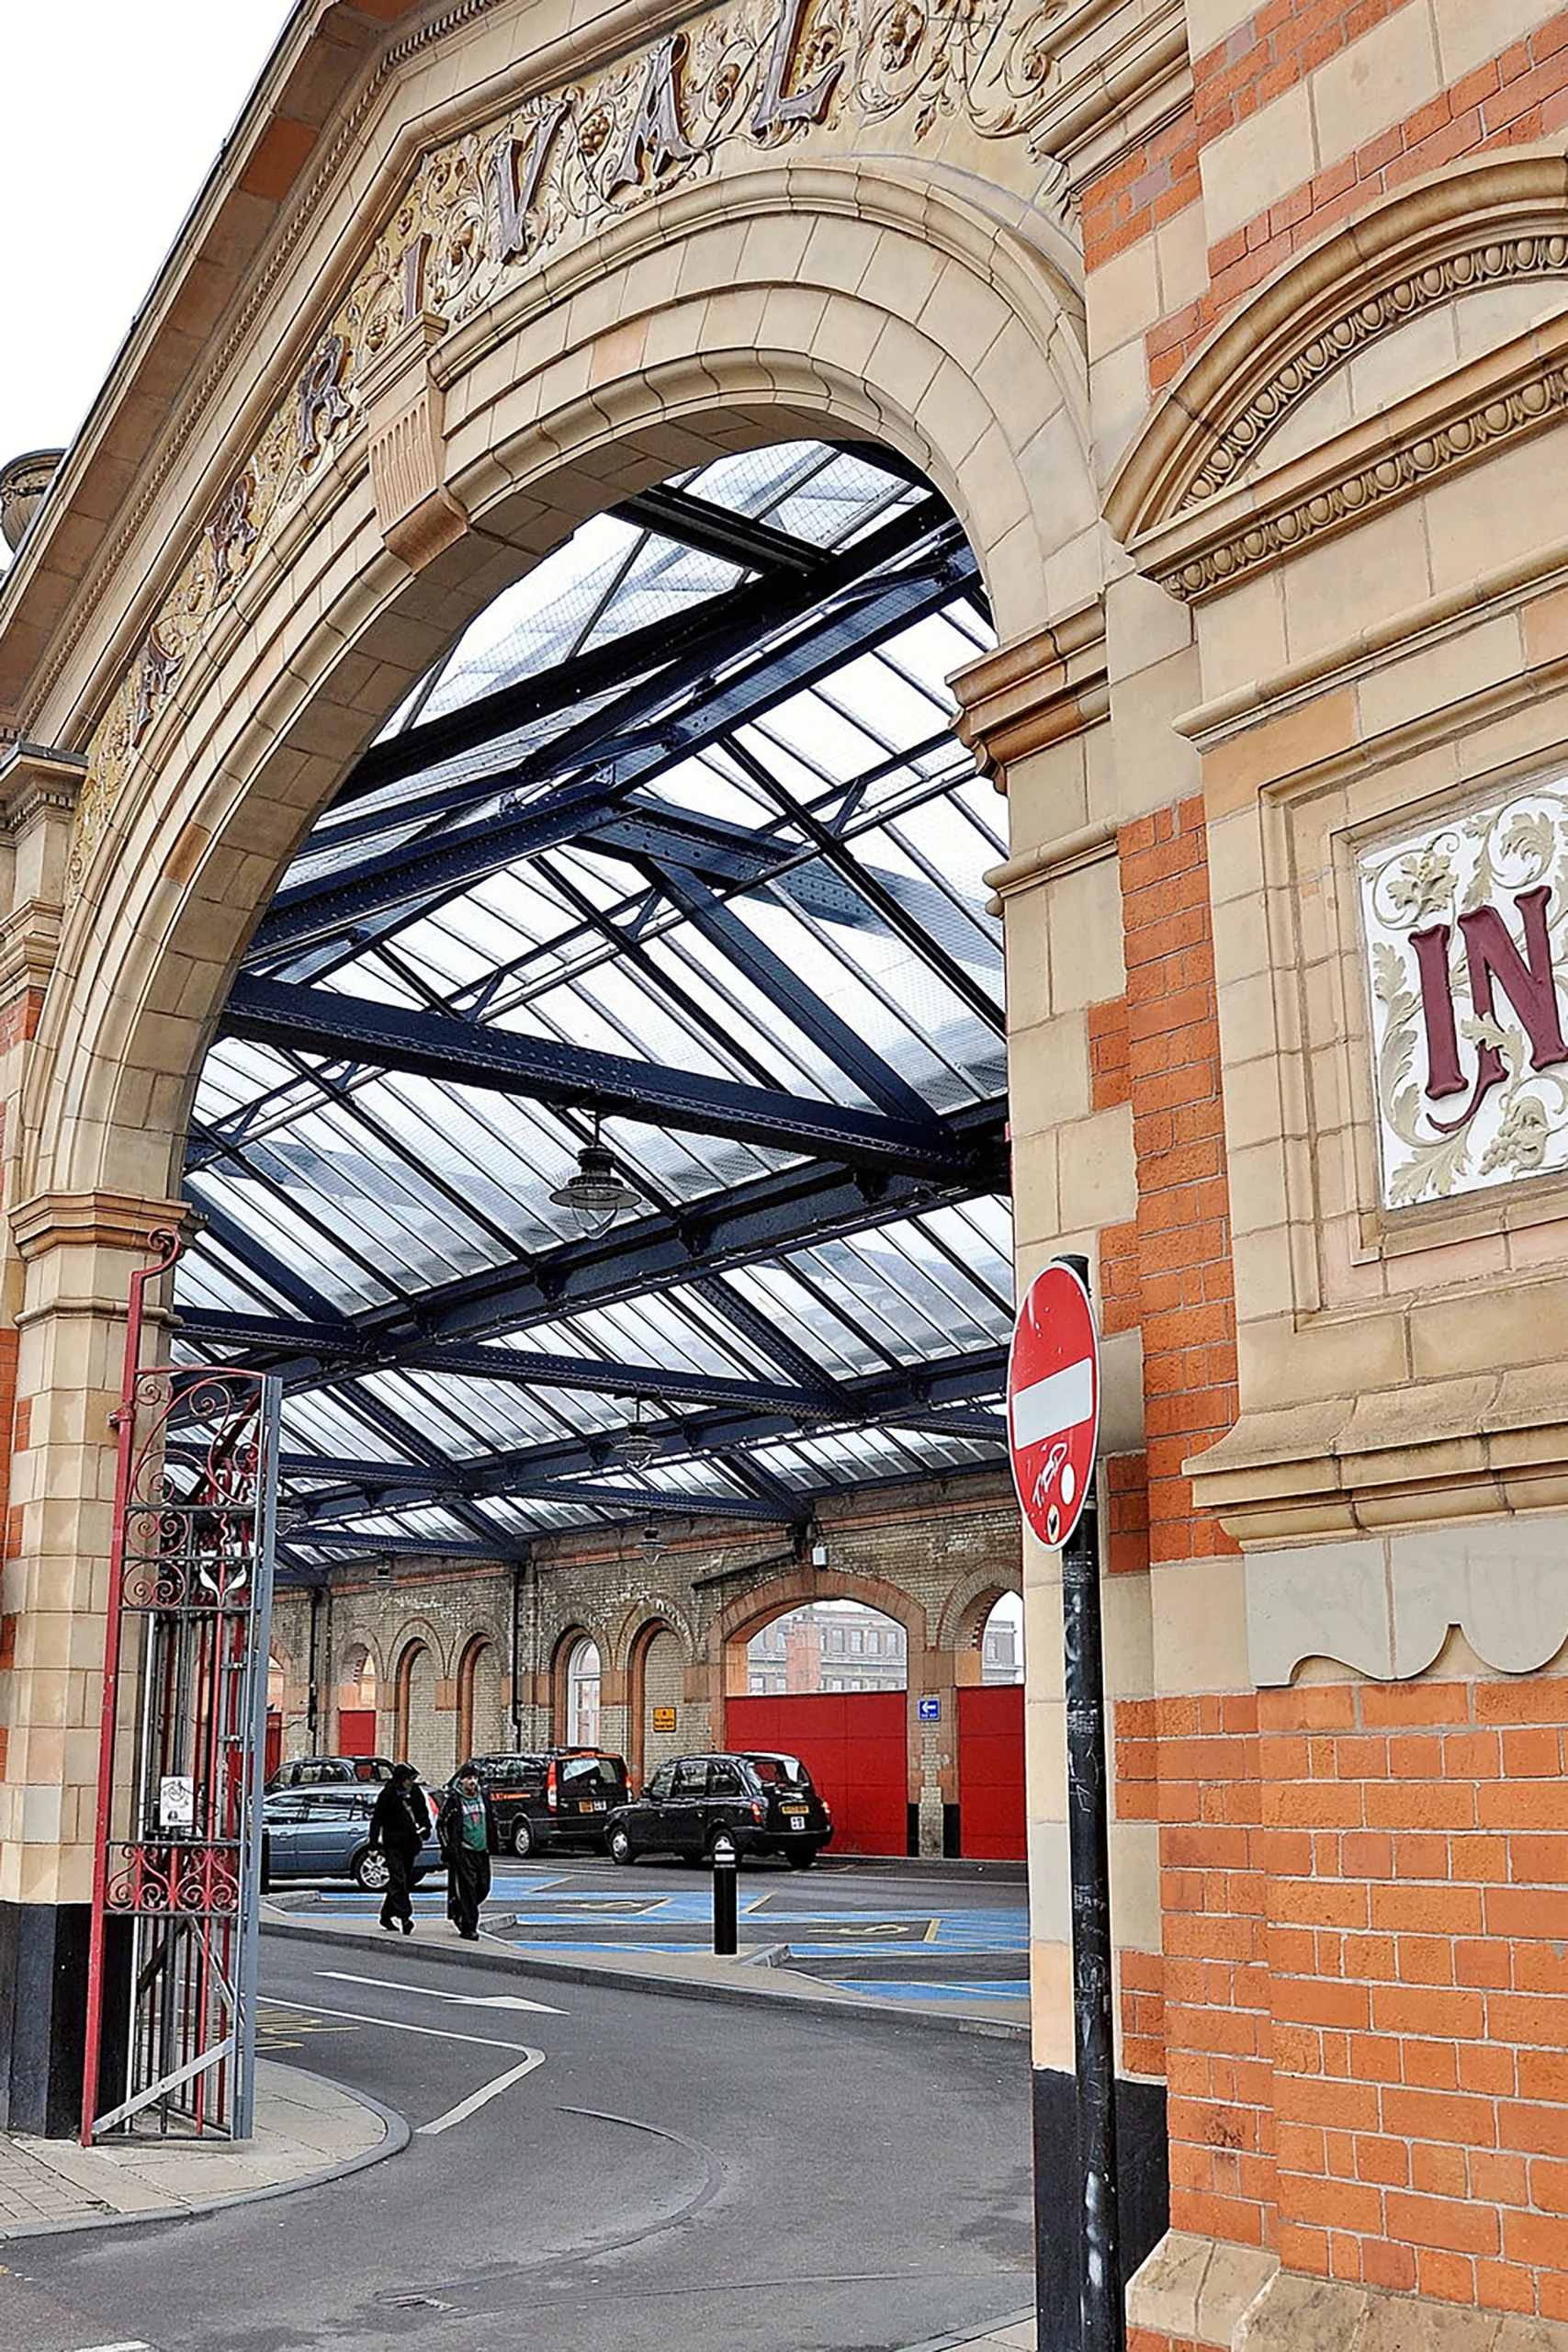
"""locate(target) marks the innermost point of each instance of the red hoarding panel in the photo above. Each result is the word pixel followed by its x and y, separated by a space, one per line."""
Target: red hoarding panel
pixel 990 1772
pixel 855 1744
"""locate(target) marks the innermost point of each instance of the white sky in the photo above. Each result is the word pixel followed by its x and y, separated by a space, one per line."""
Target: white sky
pixel 114 112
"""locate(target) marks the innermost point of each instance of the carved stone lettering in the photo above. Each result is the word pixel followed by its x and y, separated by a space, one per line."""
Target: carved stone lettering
pixel 655 131
pixel 1467 933
pixel 323 404
pixel 517 167
pixel 776 111
pixel 231 533
pixel 155 673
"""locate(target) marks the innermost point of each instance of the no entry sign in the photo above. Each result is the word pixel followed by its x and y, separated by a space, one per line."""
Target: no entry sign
pixel 1053 1402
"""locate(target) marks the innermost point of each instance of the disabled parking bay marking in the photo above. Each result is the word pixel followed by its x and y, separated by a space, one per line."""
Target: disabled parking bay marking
pixel 476 2100
pixel 901 1931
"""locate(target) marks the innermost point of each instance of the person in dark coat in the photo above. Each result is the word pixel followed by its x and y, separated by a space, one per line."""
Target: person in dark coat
pixel 400 1823
pixel 466 1828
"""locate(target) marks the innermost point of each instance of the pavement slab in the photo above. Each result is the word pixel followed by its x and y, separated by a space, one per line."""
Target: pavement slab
pixel 306 2130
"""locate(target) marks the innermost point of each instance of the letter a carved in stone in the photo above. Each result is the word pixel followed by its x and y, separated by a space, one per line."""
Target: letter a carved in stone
pixel 774 110
pixel 656 130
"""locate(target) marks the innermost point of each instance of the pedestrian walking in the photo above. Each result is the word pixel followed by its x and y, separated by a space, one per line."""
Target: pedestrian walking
pixel 400 1823
pixel 466 1828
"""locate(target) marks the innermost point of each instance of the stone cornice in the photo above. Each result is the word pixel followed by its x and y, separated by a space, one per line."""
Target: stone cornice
pixel 35 779
pixel 1439 1449
pixel 1496 401
pixel 1060 856
pixel 95 1220
pixel 1041 691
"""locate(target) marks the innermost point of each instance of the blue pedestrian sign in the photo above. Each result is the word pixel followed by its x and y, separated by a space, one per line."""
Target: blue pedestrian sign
pixel 931 1711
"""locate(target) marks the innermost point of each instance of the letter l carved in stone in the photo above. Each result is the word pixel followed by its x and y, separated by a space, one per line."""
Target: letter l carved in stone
pixel 774 110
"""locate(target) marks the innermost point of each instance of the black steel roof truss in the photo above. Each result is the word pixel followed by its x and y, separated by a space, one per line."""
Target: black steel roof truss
pixel 358 1030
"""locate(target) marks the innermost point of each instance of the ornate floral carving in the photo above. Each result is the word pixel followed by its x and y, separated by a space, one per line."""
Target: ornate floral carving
pixel 486 207
pixel 1414 896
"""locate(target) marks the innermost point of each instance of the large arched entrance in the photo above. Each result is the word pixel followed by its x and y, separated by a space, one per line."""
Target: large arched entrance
pixel 828 1681
pixel 430 433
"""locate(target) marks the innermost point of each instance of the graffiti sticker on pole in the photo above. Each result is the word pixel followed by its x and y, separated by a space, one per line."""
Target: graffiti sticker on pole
pixel 1053 1402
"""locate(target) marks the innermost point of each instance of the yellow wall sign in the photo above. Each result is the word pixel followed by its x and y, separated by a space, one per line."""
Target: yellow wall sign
pixel 664 1719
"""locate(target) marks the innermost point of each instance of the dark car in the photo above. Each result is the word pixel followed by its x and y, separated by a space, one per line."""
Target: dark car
pixel 324 1832
pixel 325 1772
pixel 552 1796
pixel 765 1803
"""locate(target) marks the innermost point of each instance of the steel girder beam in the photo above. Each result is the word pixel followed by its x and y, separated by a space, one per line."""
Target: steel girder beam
pixel 421 869
pixel 399 1547
pixel 764 1219
pixel 388 1036
pixel 719 531
pixel 519 1366
pixel 628 1502
pixel 744 614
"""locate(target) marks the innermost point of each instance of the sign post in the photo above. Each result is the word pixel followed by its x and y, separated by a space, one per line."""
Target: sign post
pixel 1053 1428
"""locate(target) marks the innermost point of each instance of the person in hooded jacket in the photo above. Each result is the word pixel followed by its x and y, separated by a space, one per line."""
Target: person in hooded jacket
pixel 466 1828
pixel 400 1823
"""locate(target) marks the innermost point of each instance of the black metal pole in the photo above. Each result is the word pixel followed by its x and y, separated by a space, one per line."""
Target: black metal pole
pixel 724 1898
pixel 1088 1860
pixel 1089 1854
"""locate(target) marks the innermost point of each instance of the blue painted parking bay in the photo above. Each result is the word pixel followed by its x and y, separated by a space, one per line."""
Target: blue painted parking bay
pixel 937 1953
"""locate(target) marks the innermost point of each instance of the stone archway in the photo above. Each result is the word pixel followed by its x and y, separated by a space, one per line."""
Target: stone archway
pixel 657 1719
pixel 479 1702
pixel 418 1737
pixel 369 459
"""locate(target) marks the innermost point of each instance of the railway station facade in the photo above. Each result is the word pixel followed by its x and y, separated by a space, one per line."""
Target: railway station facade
pixel 633 562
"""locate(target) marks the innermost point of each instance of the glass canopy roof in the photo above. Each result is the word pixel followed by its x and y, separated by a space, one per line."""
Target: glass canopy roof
pixel 675 850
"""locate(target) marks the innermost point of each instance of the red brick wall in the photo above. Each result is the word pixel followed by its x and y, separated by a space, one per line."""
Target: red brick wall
pixel 1185 1288
pixel 1365 1895
pixel 1417 1854
pixel 1218 2027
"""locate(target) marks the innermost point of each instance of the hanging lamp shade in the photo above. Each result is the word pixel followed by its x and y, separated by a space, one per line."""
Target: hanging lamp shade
pixel 639 1446
pixel 598 1193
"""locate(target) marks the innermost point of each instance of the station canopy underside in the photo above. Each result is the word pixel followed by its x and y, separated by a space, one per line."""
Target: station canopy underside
pixel 675 850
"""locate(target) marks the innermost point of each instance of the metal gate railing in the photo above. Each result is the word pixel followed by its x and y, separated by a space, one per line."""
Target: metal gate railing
pixel 178 1846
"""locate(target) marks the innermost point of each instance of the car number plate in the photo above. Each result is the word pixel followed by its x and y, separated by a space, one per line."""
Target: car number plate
pixel 794 1813
pixel 590 1805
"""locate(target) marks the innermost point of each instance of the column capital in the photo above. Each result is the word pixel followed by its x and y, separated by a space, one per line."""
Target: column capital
pixel 1042 690
pixel 95 1220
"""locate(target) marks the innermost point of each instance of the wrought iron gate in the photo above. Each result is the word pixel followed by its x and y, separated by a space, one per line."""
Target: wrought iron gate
pixel 178 1847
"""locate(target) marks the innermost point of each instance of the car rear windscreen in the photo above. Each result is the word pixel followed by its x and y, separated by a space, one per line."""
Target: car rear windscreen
pixel 786 1771
pixel 598 1773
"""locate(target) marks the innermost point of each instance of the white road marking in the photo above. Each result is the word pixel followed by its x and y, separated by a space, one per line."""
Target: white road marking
pixel 467 2000
pixel 531 2058
pixel 137 2347
pixel 487 2091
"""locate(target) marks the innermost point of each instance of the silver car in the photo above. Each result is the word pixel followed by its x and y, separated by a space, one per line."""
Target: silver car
pixel 324 1832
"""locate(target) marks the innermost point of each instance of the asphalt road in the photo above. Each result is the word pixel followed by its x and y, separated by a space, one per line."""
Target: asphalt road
pixel 612 2172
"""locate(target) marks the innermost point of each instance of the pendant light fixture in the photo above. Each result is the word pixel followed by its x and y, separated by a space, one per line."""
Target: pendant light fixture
pixel 598 1193
pixel 639 1444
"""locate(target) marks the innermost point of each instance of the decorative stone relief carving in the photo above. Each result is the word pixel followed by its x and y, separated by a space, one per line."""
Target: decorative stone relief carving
pixel 485 208
pixel 1384 1605
pixel 1465 927
pixel 1496 263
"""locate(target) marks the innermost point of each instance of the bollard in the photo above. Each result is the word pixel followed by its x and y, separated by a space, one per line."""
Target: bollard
pixel 723 1906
